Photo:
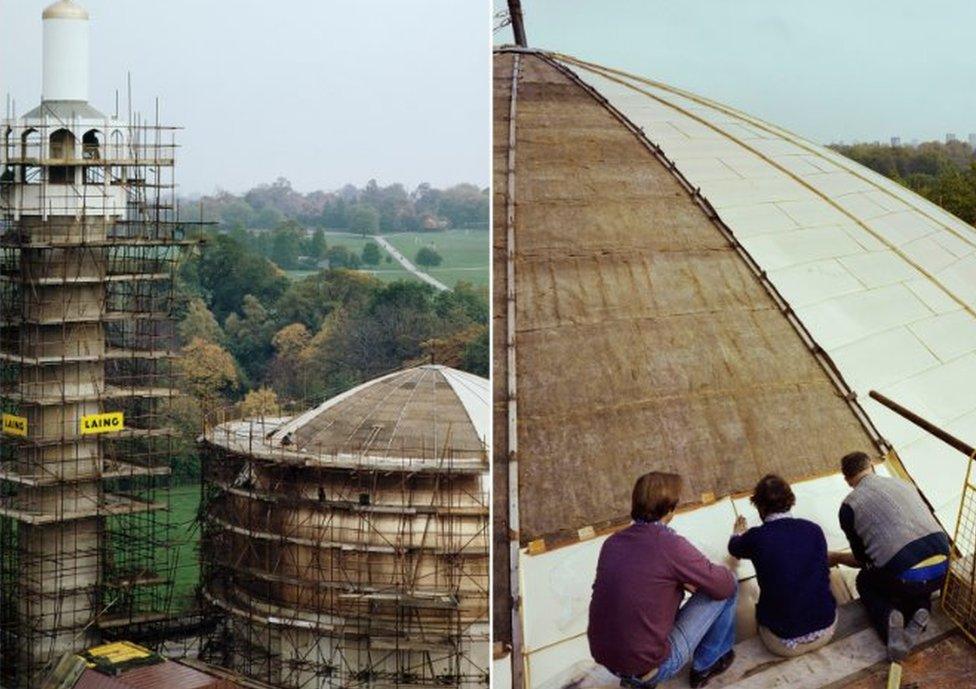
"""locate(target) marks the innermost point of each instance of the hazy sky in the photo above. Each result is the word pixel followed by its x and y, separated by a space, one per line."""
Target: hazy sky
pixel 322 92
pixel 828 69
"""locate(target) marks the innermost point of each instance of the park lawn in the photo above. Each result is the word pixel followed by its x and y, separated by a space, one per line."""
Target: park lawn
pixel 184 536
pixel 458 248
pixel 451 276
pixel 177 550
pixel 466 253
pixel 385 271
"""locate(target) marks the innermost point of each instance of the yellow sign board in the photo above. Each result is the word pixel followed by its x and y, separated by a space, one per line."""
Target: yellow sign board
pixel 15 425
pixel 110 422
pixel 117 653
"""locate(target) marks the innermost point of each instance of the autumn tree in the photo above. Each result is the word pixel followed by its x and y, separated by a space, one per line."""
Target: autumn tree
pixel 259 403
pixel 454 349
pixel 199 323
pixel 287 372
pixel 208 372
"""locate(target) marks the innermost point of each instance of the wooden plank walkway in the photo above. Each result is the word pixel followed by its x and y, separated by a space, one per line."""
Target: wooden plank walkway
pixel 855 654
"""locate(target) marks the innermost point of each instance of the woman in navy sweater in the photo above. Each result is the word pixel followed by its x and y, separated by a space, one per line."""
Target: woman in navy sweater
pixel 796 612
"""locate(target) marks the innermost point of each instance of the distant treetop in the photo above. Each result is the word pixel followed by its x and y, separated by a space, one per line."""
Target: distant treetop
pixel 369 210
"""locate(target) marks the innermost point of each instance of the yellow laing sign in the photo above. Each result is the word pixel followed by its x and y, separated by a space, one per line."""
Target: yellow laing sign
pixel 110 422
pixel 15 425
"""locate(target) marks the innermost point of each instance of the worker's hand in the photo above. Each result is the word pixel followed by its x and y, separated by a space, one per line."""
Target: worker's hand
pixel 740 526
pixel 836 557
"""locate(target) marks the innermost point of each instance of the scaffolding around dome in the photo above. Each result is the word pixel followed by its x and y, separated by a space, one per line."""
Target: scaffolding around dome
pixel 348 545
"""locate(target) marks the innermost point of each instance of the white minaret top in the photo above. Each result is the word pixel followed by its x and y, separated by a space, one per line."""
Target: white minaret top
pixel 65 74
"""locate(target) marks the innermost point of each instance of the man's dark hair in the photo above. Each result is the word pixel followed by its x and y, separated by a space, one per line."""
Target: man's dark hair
pixel 771 495
pixel 655 495
pixel 854 463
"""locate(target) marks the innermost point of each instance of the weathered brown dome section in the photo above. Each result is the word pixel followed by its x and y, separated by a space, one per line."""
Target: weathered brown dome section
pixel 644 340
pixel 356 548
pixel 412 413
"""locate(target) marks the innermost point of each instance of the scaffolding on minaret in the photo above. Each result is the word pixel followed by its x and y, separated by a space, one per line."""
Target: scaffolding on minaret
pixel 89 240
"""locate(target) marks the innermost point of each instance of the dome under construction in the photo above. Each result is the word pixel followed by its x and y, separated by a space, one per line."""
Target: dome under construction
pixel 348 545
pixel 680 286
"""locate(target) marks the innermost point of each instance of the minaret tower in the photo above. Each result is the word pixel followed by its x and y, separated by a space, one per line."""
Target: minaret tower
pixel 88 239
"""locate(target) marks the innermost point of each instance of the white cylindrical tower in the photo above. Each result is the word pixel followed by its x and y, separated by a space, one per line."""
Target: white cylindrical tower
pixel 65 52
pixel 87 251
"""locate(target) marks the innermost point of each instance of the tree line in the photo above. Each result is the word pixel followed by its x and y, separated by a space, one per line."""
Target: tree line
pixel 368 210
pixel 291 247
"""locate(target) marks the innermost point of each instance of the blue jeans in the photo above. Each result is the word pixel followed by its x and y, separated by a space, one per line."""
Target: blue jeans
pixel 704 631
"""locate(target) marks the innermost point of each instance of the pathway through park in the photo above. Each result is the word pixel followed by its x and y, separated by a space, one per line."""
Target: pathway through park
pixel 403 261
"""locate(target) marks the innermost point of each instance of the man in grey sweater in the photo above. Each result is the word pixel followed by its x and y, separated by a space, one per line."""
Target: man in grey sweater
pixel 900 548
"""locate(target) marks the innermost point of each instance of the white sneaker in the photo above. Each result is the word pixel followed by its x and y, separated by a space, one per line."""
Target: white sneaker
pixel 916 626
pixel 898 645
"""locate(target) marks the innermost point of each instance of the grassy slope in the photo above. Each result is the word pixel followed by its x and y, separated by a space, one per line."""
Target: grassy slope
pixel 185 537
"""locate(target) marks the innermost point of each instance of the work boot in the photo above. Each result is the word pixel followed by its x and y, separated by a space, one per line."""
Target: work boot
pixel 702 677
pixel 897 639
pixel 916 626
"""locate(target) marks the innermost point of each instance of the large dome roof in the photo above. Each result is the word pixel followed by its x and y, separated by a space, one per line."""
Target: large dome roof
pixel 700 291
pixel 884 280
pixel 431 412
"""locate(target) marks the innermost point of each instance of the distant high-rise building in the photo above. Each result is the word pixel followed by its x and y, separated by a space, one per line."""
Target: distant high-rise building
pixel 972 139
pixel 950 137
pixel 896 141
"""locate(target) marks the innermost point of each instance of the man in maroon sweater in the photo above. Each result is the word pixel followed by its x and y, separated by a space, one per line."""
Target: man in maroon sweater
pixel 638 628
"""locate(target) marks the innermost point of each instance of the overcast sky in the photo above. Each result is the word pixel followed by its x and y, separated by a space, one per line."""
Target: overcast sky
pixel 828 69
pixel 322 92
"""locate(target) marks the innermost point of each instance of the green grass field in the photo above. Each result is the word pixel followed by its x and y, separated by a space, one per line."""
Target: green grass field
pixel 184 535
pixel 465 252
pixel 386 271
pixel 176 553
